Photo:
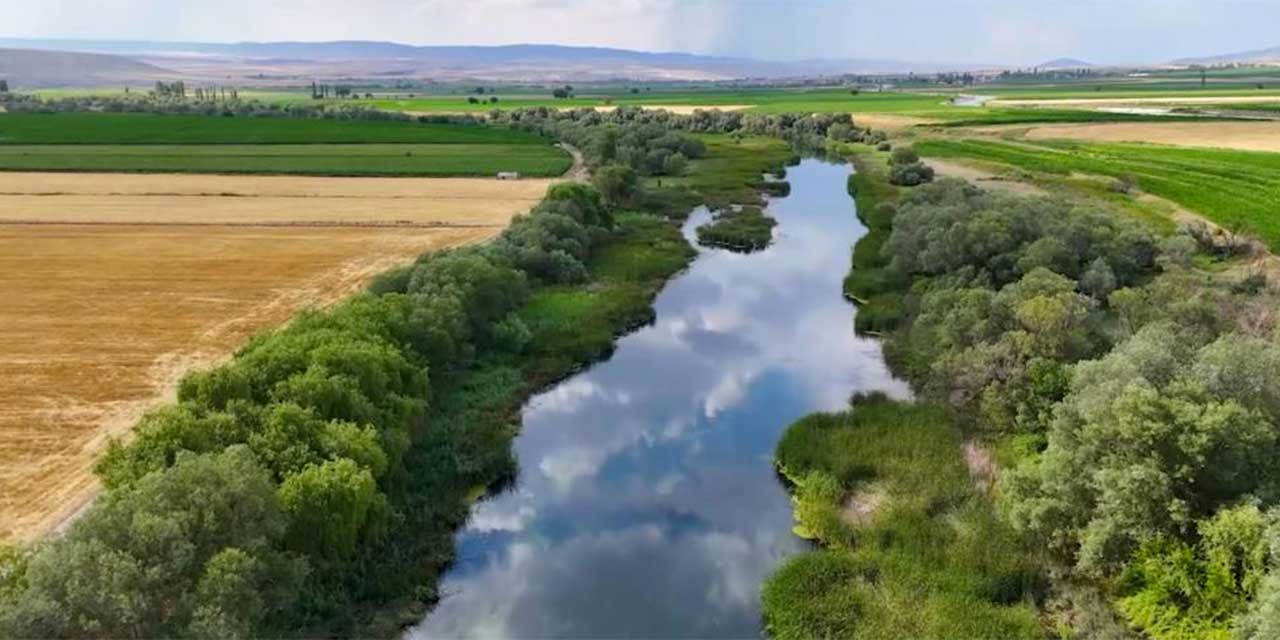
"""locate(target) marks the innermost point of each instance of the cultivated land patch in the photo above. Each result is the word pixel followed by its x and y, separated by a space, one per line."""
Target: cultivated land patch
pixel 1232 188
pixel 110 295
pixel 1249 136
pixel 80 198
pixel 269 145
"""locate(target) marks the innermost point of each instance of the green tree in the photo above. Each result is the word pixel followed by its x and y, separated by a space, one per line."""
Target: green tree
pixel 329 505
pixel 616 182
pixel 130 566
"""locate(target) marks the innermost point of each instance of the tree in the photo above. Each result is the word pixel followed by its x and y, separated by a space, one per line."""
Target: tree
pixel 616 182
pixel 675 164
pixel 210 522
pixel 328 505
pixel 4 86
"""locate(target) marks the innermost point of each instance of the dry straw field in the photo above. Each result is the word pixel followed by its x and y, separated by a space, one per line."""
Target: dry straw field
pixel 114 285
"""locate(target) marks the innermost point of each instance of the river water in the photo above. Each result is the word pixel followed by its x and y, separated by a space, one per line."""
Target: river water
pixel 647 504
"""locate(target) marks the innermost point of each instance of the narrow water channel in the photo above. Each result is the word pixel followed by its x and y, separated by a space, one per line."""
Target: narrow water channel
pixel 647 504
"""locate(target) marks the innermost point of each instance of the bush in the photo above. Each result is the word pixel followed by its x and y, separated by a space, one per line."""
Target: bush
pixel 904 155
pixel 911 174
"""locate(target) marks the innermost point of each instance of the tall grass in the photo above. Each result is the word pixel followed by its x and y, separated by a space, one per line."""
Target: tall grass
pixel 931 560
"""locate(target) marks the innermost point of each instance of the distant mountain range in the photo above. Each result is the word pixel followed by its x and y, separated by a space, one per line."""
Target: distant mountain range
pixel 28 63
pixel 291 62
pixel 1259 56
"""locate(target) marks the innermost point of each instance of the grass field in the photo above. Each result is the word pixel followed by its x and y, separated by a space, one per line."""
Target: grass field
pixel 155 143
pixel 100 319
pixel 1236 189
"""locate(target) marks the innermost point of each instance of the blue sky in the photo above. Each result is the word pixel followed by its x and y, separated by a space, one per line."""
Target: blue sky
pixel 958 31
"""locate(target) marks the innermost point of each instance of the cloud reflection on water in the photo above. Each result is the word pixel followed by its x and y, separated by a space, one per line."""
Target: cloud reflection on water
pixel 647 503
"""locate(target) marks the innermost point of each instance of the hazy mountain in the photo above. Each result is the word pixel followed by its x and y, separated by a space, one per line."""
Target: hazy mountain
pixel 1260 56
pixel 1065 63
pixel 293 61
pixel 27 68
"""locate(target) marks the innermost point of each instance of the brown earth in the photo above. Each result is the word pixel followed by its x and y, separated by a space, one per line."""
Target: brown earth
pixel 982 177
pixel 99 321
pixel 1249 136
pixel 257 200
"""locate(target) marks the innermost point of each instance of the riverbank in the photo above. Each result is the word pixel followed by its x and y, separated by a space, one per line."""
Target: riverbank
pixel 911 544
pixel 1082 357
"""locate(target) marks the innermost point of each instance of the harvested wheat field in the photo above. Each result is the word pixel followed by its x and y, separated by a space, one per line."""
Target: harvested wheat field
pixel 1248 136
pixel 103 312
pixel 261 200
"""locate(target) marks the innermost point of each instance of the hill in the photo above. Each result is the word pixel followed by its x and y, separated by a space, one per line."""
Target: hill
pixel 25 68
pixel 1257 56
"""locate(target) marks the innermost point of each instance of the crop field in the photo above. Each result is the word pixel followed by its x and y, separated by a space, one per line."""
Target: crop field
pixel 115 285
pixel 1248 136
pixel 304 159
pixel 146 143
pixel 113 128
pixel 1236 189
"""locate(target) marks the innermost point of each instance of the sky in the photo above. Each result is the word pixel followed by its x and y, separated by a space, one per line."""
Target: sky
pixel 1009 32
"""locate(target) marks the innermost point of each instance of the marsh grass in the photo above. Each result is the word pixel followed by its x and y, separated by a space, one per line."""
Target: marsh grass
pixel 932 561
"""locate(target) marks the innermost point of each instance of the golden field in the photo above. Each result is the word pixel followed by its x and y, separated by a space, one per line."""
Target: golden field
pixel 113 286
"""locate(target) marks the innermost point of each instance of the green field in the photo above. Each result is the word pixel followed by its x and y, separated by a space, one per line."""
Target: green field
pixel 305 159
pixel 207 144
pixel 1236 189
pixel 103 128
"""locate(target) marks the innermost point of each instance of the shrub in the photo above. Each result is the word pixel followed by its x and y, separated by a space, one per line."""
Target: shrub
pixel 910 175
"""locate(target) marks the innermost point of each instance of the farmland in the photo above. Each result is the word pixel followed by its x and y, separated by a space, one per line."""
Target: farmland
pixel 112 293
pixel 149 143
pixel 1246 136
pixel 1236 189
pixel 921 107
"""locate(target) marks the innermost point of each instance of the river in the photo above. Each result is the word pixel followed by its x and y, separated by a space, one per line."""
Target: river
pixel 646 503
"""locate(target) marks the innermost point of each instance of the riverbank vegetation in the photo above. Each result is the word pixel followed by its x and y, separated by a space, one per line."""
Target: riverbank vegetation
pixel 1121 391
pixel 744 229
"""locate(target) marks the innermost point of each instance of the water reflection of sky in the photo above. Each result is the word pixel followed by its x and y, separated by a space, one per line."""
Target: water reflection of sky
pixel 647 505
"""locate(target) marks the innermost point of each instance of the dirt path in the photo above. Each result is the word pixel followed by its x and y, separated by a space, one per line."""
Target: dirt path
pixel 579 171
pixel 983 177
